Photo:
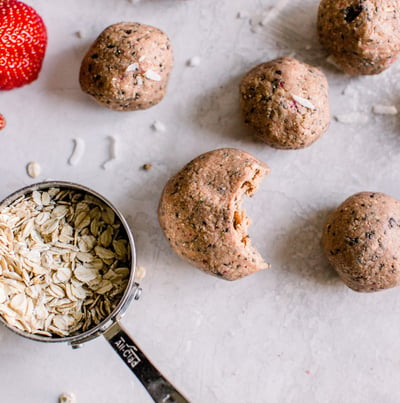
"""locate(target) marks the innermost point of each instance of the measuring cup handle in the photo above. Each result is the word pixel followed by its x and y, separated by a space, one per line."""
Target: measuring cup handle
pixel 159 388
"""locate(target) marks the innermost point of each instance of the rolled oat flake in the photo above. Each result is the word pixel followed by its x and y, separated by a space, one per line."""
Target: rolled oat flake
pixel 33 169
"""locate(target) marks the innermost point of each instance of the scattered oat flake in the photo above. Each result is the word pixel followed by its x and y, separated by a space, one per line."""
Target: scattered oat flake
pixel 158 126
pixel 242 15
pixel 147 167
pixel 2 122
pixel 304 102
pixel 112 152
pixel 33 169
pixel 152 75
pixel 140 273
pixel 67 398
pixel 352 118
pixel 264 17
pixel 77 151
pixel 194 61
pixel 384 109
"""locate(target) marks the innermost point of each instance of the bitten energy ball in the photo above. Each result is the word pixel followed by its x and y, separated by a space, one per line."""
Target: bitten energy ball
pixel 200 212
pixel 361 239
pixel 286 103
pixel 363 36
pixel 128 66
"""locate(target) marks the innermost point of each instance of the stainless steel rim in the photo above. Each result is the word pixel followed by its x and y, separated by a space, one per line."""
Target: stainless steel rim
pixel 129 291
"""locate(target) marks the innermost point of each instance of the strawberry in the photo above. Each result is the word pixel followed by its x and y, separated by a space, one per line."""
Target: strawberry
pixel 23 40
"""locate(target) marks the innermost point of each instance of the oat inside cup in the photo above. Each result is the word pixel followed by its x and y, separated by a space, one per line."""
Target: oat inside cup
pixel 64 262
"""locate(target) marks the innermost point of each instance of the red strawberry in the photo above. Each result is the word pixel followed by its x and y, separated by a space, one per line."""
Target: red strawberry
pixel 23 40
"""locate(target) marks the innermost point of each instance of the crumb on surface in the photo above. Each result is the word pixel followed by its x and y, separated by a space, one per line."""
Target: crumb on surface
pixel 67 398
pixel 112 152
pixel 77 151
pixel 140 273
pixel 158 126
pixel 33 169
pixel 242 15
pixel 384 109
pixel 194 61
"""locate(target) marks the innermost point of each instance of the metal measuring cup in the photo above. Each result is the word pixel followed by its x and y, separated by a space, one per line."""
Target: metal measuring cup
pixel 159 388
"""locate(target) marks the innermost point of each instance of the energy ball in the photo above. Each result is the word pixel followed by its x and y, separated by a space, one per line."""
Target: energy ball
pixel 361 240
pixel 363 36
pixel 127 67
pixel 286 103
pixel 200 213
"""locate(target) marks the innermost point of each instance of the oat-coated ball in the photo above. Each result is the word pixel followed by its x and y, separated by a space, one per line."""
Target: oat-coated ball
pixel 127 67
pixel 363 36
pixel 361 239
pixel 286 103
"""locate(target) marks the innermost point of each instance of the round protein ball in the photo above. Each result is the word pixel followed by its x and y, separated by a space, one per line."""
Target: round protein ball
pixel 361 240
pixel 286 103
pixel 127 67
pixel 363 36
pixel 201 215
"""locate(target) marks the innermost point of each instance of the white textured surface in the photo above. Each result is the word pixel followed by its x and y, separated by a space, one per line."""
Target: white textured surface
pixel 294 333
